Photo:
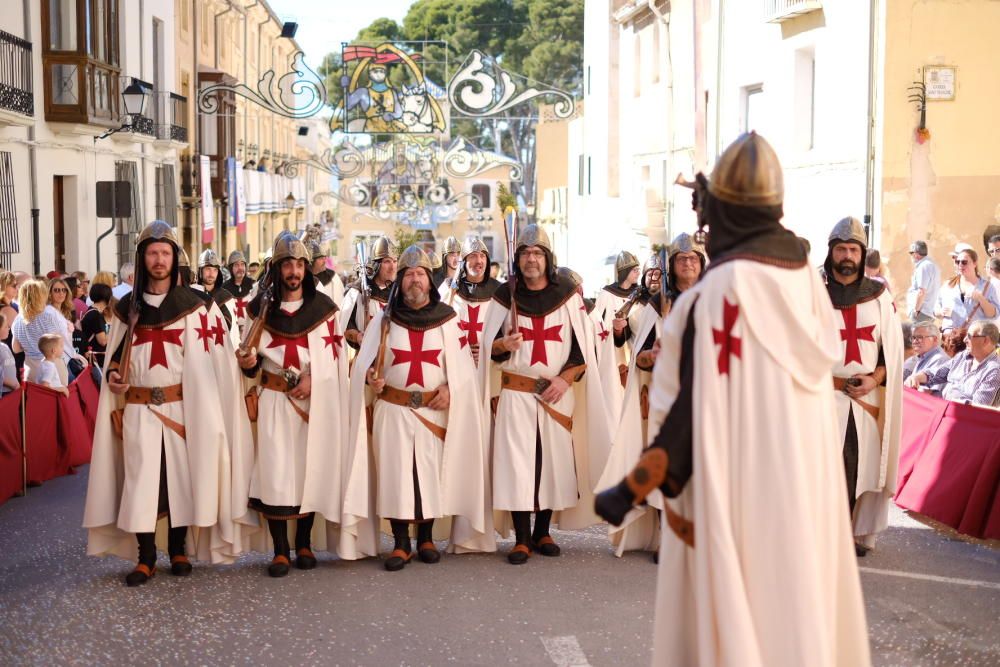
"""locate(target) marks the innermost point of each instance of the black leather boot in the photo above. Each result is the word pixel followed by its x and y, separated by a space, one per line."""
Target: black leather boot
pixel 522 535
pixel 305 559
pixel 280 565
pixel 401 554
pixel 180 566
pixel 145 569
pixel 425 543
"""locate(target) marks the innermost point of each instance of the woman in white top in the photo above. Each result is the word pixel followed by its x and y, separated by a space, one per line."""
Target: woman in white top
pixel 36 319
pixel 966 297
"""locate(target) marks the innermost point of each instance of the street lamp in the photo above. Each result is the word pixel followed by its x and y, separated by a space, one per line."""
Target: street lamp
pixel 134 100
pixel 290 200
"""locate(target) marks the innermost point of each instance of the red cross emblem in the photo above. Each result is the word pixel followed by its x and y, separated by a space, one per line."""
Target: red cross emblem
pixel 729 344
pixel 473 326
pixel 204 332
pixel 241 308
pixel 851 335
pixel 416 356
pixel 333 340
pixel 219 331
pixel 603 333
pixel 291 345
pixel 538 334
pixel 158 338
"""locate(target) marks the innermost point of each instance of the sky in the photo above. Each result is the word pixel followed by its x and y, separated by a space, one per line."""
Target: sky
pixel 324 24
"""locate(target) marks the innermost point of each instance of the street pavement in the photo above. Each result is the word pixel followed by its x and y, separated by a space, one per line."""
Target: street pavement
pixel 932 599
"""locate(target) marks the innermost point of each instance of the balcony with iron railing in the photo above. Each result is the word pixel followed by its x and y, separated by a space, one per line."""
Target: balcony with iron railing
pixel 170 115
pixel 776 11
pixel 16 88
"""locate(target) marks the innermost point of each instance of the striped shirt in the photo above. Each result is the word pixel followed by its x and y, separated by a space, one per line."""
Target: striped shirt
pixel 965 381
pixel 27 334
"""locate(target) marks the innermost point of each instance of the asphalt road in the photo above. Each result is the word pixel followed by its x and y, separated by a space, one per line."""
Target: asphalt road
pixel 932 599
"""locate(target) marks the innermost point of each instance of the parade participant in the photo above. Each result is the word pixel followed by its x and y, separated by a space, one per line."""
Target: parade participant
pixel 471 293
pixel 209 272
pixel 612 298
pixel 624 328
pixel 427 427
pixel 868 379
pixel 328 281
pixel 451 257
pixel 300 361
pixel 756 566
pixel 686 260
pixel 171 430
pixel 380 272
pixel 185 275
pixel 239 285
pixel 550 436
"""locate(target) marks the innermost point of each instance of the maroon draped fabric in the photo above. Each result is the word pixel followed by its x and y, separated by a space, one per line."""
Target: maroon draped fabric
pixel 47 457
pixel 11 465
pixel 76 418
pixel 949 464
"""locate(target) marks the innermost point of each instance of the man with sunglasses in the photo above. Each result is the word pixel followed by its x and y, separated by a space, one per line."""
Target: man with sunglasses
pixel 971 376
pixel 928 353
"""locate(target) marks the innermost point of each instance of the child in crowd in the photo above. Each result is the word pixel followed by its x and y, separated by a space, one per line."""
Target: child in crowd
pixel 8 367
pixel 51 346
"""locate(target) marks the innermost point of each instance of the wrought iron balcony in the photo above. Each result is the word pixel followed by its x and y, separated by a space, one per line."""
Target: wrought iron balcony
pixel 170 115
pixel 16 89
pixel 776 11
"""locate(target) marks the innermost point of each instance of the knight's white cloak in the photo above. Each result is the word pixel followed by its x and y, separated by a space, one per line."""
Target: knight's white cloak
pixel 609 357
pixel 123 488
pixel 772 579
pixel 571 462
pixel 451 472
pixel 641 529
pixel 861 329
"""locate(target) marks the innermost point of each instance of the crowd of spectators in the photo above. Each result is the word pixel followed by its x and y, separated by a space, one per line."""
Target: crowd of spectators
pixel 953 334
pixel 70 306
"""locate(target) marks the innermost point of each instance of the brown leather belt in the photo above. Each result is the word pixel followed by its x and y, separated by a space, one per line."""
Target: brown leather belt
pixel 153 395
pixel 535 386
pixel 406 399
pixel 840 384
pixel 275 382
pixel 413 400
pixel 681 527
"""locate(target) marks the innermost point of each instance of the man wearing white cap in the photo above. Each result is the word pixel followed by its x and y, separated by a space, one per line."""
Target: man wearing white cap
pixel 923 292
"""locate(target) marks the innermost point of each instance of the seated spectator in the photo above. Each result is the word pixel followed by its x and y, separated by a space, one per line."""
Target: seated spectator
pixel 967 297
pixel 126 276
pixel 972 376
pixel 927 348
pixel 8 367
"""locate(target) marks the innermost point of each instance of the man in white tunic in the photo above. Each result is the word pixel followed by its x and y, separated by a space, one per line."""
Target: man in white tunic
pixel 209 280
pixel 756 566
pixel 239 285
pixel 868 380
pixel 170 425
pixel 327 280
pixel 300 362
pixel 451 257
pixel 426 435
pixel 549 439
pixel 380 273
pixel 612 358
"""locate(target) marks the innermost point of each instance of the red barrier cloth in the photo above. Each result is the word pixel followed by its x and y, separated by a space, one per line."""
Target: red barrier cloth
pixel 10 446
pixel 949 464
pixel 47 457
pixel 76 426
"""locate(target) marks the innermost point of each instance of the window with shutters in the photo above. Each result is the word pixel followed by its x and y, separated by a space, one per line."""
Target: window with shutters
pixel 9 244
pixel 166 194
pixel 126 229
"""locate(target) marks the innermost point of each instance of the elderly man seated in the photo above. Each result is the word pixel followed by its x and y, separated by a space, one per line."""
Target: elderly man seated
pixel 971 376
pixel 928 355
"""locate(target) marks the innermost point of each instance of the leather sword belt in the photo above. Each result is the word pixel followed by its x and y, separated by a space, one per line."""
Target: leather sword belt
pixel 840 384
pixel 277 381
pixel 406 399
pixel 153 395
pixel 536 386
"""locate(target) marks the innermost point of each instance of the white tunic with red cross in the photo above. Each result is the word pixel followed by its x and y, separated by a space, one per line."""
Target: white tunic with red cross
pixel 860 341
pixel 520 420
pixel 414 362
pixel 471 320
pixel 280 474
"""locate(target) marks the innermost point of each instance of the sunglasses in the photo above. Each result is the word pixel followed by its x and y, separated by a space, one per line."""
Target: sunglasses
pixel 974 336
pixel 915 338
pixel 962 262
pixel 60 290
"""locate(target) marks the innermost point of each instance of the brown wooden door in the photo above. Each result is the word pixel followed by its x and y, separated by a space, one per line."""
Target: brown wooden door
pixel 59 223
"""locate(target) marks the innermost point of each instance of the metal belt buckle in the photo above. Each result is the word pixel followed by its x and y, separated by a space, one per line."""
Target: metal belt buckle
pixel 291 377
pixel 541 384
pixel 416 399
pixel 156 396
